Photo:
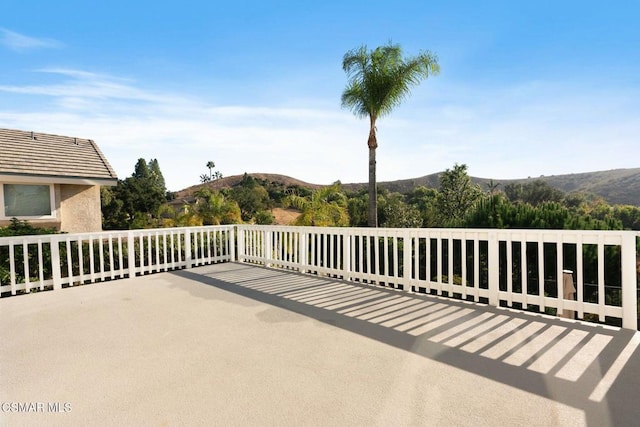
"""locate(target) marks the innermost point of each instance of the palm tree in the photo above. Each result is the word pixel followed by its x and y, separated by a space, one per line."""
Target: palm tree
pixel 379 80
pixel 211 208
pixel 210 165
pixel 326 207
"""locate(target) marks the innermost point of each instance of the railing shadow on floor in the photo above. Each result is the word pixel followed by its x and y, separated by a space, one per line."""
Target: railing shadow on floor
pixel 590 367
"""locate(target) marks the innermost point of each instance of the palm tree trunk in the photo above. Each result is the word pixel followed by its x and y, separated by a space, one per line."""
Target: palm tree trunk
pixel 373 191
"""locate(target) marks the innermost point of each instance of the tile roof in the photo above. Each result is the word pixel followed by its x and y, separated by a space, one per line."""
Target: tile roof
pixel 34 153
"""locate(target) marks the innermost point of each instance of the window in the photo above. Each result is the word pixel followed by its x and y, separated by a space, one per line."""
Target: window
pixel 26 200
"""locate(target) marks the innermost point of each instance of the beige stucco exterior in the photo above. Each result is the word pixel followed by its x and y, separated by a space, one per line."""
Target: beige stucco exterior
pixel 77 209
pixel 80 208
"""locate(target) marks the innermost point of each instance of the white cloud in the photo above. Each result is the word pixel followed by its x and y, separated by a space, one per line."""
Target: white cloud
pixel 21 43
pixel 129 123
pixel 82 84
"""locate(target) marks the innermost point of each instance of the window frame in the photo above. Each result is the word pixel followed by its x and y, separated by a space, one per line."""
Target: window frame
pixel 52 202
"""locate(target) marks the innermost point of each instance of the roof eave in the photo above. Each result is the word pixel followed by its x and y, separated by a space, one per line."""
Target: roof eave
pixel 55 179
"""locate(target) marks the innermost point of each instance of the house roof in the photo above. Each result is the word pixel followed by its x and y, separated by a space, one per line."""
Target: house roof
pixel 53 158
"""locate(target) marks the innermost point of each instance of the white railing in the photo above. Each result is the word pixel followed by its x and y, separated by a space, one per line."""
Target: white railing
pixel 54 261
pixel 478 265
pixel 473 264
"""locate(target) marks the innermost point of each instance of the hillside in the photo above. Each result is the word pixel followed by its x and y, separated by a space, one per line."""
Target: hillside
pixel 618 186
pixel 231 181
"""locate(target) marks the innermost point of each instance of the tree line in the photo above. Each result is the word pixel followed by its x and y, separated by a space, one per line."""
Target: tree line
pixel 142 201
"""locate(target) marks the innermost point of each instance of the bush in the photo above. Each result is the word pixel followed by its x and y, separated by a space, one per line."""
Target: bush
pixel 23 228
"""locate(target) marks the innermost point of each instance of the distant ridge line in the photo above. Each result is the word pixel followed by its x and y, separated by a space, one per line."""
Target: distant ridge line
pixel 615 186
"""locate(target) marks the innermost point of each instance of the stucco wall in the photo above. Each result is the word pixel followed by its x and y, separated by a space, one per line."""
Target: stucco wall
pixel 80 208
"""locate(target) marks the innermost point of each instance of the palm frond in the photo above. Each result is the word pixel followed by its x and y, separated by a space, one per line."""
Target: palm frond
pixel 379 80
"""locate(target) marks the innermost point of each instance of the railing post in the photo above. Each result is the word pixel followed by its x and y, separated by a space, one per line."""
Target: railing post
pixel 268 243
pixel 494 268
pixel 302 250
pixel 559 275
pixel 131 252
pixel 629 281
pixel 55 263
pixel 239 245
pixel 187 249
pixel 346 255
pixel 406 261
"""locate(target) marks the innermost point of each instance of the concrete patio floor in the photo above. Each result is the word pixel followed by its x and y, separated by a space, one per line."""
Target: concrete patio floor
pixel 235 344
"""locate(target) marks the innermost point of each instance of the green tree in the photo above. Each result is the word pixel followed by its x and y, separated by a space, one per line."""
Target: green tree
pixel 141 169
pixel 425 200
pixel 378 81
pixel 492 187
pixel 250 196
pixel 499 212
pixel 395 213
pixel 534 193
pixel 211 208
pixel 357 209
pixel 457 194
pixel 628 215
pixel 114 216
pixel 575 200
pixel 326 207
pixel 156 177
pixel 264 218
pixel 145 190
pixel 597 208
pixel 134 201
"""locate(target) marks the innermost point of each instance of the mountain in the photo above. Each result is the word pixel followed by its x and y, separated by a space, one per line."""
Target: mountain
pixel 617 186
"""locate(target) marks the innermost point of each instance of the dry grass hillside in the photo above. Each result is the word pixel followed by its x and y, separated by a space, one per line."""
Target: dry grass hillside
pixel 285 216
pixel 231 181
pixel 618 186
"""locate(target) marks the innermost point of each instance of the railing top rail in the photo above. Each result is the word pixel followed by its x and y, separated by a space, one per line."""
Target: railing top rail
pixel 29 239
pixel 551 234
pixel 529 231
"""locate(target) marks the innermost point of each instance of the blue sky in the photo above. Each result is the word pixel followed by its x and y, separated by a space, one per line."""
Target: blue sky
pixel 525 89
